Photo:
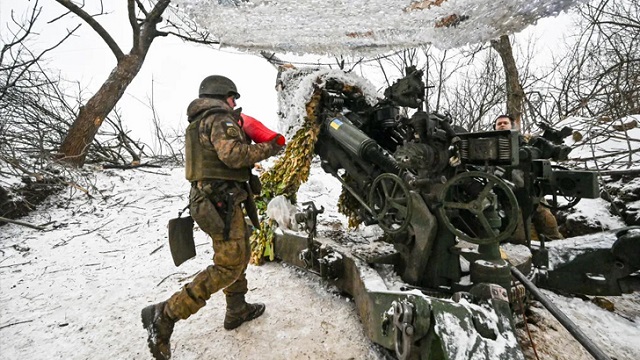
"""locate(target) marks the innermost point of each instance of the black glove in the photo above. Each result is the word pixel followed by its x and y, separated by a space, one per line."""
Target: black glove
pixel 275 146
pixel 255 184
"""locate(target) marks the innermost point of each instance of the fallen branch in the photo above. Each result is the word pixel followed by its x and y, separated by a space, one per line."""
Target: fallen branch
pixel 129 166
pixel 18 264
pixel 153 172
pixel 156 250
pixel 15 323
pixel 168 276
pixel 126 227
pixel 65 242
pixel 78 187
pixel 22 223
pixel 189 277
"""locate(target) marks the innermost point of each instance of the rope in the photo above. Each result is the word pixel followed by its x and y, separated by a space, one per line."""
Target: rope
pixel 526 327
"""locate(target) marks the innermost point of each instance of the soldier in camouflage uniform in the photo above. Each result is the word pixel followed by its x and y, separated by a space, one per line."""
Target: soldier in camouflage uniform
pixel 543 221
pixel 219 157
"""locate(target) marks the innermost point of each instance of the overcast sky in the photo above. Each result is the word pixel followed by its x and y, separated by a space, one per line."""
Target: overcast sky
pixel 173 69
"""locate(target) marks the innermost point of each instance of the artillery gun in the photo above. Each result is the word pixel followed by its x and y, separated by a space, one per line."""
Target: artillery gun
pixel 432 189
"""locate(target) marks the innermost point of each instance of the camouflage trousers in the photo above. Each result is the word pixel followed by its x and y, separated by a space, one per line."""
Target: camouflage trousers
pixel 230 259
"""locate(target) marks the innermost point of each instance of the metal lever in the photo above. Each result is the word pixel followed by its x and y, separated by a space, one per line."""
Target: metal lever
pixel 308 221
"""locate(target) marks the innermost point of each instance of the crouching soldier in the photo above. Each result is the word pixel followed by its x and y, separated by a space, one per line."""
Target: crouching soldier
pixel 219 157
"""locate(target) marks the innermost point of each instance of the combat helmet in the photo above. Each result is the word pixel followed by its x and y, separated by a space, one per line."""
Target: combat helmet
pixel 218 85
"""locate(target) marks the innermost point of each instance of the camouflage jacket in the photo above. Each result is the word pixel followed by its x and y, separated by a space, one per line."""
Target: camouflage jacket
pixel 223 132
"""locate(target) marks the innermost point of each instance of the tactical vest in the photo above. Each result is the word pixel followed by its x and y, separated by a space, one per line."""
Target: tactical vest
pixel 202 162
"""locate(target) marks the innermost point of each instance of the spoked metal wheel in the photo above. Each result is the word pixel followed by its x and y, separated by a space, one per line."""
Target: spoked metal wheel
pixel 390 201
pixel 451 202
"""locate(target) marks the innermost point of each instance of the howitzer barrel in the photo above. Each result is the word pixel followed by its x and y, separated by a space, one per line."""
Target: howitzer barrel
pixel 356 142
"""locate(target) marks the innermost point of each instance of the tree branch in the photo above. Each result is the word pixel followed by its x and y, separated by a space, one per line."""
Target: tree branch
pixel 117 52
pixel 131 10
pixel 188 38
pixel 154 16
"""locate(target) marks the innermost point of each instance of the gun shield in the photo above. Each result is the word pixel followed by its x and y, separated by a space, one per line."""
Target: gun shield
pixel 181 239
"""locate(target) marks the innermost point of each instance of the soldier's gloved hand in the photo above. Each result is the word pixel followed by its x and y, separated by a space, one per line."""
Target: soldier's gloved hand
pixel 276 144
pixel 255 184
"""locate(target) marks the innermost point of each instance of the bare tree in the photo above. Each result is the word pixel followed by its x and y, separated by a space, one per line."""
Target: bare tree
pixel 465 83
pixel 144 22
pixel 477 95
pixel 602 73
pixel 33 109
pixel 515 94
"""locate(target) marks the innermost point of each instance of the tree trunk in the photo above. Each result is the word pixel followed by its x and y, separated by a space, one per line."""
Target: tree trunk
pixel 81 134
pixel 76 144
pixel 515 94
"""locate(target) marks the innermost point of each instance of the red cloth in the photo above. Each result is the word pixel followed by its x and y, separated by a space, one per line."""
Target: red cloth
pixel 258 132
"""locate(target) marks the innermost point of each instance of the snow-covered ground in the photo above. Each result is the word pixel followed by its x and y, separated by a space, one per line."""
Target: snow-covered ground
pixel 76 290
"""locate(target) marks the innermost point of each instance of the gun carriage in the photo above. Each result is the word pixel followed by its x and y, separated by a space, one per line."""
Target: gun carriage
pixel 431 188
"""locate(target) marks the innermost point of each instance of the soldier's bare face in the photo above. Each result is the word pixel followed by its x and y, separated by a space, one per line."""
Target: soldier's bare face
pixel 231 100
pixel 503 123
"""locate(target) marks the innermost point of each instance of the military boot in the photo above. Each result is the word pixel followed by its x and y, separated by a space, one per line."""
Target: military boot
pixel 239 311
pixel 159 327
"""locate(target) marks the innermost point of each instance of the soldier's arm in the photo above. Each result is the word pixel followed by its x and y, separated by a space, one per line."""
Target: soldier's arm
pixel 227 140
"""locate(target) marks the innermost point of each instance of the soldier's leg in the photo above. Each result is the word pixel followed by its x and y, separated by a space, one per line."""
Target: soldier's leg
pixel 229 265
pixel 239 287
pixel 238 310
pixel 159 319
pixel 546 224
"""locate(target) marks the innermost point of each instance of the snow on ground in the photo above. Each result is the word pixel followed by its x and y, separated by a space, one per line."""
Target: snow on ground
pixel 603 143
pixel 614 334
pixel 76 290
pixel 595 213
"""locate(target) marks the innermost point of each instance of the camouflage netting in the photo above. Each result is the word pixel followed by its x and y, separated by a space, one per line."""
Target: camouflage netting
pixel 299 97
pixel 363 27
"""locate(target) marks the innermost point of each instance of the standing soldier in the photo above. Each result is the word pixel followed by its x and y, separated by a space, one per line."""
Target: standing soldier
pixel 219 157
pixel 543 220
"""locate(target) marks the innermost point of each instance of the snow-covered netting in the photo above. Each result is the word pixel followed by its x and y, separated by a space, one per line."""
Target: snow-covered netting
pixel 297 87
pixel 363 27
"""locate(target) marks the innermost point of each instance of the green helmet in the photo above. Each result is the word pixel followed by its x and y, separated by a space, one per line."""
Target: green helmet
pixel 218 85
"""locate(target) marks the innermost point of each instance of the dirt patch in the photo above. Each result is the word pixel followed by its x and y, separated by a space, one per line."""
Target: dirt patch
pixel 543 335
pixel 20 201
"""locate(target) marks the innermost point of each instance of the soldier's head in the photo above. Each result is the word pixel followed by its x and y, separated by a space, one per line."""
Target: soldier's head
pixel 503 122
pixel 219 87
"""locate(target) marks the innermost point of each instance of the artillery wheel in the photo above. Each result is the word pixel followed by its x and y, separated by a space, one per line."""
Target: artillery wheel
pixel 449 201
pixel 390 201
pixel 567 201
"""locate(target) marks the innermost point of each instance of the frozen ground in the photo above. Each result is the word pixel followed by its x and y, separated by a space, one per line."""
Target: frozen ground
pixel 75 291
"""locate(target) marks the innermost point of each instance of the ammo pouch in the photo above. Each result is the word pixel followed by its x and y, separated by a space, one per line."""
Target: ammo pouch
pixel 181 239
pixel 224 197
